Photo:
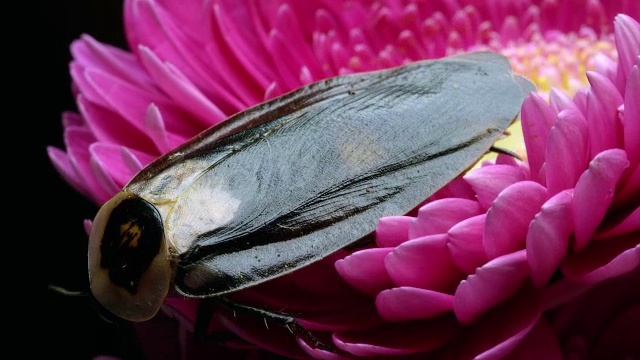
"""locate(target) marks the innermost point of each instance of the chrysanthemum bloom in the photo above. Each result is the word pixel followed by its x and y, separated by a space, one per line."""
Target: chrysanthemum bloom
pixel 495 263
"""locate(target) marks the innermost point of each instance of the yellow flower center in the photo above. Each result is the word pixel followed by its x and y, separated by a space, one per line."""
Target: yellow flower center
pixel 553 61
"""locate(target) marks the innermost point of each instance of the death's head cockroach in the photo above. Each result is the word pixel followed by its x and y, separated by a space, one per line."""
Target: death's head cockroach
pixel 290 181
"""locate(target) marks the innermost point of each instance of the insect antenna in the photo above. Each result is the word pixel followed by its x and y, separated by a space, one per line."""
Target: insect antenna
pixel 504 151
pixel 66 292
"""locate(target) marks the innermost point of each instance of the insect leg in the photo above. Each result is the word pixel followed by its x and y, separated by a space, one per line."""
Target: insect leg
pixel 288 321
pixel 203 319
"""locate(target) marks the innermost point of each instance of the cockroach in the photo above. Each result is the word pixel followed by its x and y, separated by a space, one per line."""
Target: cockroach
pixel 288 182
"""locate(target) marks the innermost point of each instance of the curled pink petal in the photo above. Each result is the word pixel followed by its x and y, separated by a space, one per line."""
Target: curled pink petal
pixel 548 237
pixel 567 152
pixel 393 230
pixel 183 91
pixel 489 181
pixel 87 226
pixel 540 343
pixel 560 101
pixel 493 283
pixel 408 303
pixel 594 192
pixel 438 216
pixel 627 194
pixel 78 141
pixel 509 217
pixel 457 188
pixel 626 225
pixel 632 116
pixel 398 339
pixel 365 270
pixel 109 157
pixel 61 162
pixel 425 263
pixel 110 127
pixel 627 31
pixel 485 340
pixel 602 260
pixel 603 101
pixel 537 119
pixel 465 244
pixel 321 354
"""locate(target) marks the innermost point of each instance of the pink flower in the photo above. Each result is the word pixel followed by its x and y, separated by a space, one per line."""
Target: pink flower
pixel 492 264
pixel 519 251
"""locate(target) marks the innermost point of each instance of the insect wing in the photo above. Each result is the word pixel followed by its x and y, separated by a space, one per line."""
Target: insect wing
pixel 295 179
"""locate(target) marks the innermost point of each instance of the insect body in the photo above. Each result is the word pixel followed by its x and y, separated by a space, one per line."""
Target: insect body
pixel 286 183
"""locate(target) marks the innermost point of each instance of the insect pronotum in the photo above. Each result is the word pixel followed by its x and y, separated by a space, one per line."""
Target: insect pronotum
pixel 290 181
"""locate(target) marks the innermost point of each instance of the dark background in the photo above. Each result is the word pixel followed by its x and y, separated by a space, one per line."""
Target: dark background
pixel 72 328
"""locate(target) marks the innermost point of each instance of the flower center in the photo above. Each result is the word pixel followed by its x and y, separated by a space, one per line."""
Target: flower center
pixel 557 60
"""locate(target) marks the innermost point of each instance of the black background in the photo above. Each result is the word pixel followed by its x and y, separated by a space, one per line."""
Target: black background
pixel 71 324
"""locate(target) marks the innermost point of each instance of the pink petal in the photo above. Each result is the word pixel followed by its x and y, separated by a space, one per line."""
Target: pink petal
pixel 292 48
pixel 180 89
pixel 321 354
pixel 62 164
pixel 509 217
pixel 465 244
pixel 567 152
pixel 78 142
pixel 109 156
pixel 492 284
pixel 393 230
pixel 235 67
pixel 608 67
pixel 135 160
pixel 110 127
pixel 489 181
pixel 603 101
pixel 562 291
pixel 560 101
pixel 537 119
pixel 626 225
pixel 127 100
pixel 631 117
pixel 103 174
pixel 365 270
pixel 604 259
pixel 246 43
pixel 628 192
pixel 548 237
pixel 503 328
pixel 398 339
pixel 594 193
pixel 438 216
pixel 173 43
pixel 92 54
pixel 457 188
pixel 627 37
pixel 540 343
pixel 155 126
pixel 86 224
pixel 593 310
pixel 72 119
pixel 424 263
pixel 408 303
